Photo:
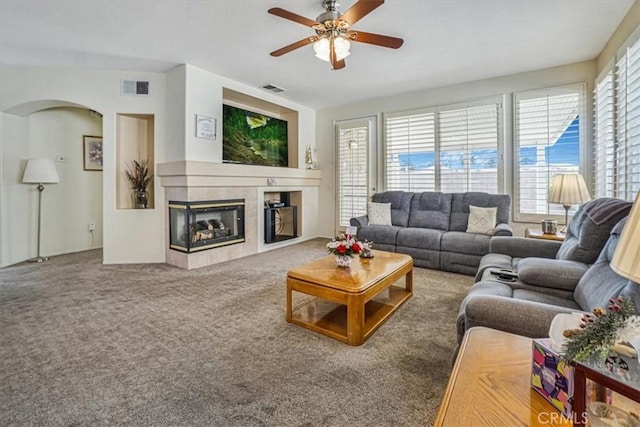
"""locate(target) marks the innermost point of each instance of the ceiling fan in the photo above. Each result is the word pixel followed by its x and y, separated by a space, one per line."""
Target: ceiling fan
pixel 333 31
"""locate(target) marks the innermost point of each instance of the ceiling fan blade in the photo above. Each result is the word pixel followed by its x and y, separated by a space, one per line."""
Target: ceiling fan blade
pixel 333 58
pixel 377 39
pixel 360 10
pixel 292 16
pixel 294 46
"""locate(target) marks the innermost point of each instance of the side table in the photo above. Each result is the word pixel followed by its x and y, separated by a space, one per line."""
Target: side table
pixel 538 234
pixel 491 385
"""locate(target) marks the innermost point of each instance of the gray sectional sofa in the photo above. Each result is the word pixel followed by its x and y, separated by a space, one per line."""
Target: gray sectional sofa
pixel 431 227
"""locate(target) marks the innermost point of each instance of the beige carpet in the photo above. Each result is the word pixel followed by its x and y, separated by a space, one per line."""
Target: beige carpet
pixel 83 343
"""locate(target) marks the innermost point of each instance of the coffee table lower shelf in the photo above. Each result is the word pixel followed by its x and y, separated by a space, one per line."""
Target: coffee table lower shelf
pixel 330 318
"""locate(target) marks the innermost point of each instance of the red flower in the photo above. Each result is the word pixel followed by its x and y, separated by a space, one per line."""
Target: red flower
pixel 356 248
pixel 341 249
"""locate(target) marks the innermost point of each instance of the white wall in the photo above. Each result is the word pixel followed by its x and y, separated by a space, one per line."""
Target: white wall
pixel 129 236
pixel 67 207
pixel 501 86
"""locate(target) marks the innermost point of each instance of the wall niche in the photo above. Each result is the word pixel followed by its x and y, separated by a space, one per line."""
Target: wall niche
pixel 260 106
pixel 134 141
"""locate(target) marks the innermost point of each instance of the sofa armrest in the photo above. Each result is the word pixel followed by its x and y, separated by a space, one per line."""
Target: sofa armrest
pixel 360 221
pixel 528 318
pixel 520 247
pixel 551 273
pixel 503 230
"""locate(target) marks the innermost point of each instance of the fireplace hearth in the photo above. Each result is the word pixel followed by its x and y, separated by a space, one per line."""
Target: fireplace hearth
pixel 201 225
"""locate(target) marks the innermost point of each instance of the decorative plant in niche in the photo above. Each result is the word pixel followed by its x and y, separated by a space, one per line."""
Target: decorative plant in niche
pixel 139 177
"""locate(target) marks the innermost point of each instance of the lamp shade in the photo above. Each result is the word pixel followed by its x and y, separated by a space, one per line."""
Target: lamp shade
pixel 568 189
pixel 40 171
pixel 626 258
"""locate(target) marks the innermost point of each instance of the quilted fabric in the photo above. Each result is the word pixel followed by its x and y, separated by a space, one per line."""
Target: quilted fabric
pixel 379 213
pixel 482 220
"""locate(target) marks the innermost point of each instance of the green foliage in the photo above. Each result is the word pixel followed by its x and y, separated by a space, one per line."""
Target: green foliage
pixel 261 145
pixel 598 331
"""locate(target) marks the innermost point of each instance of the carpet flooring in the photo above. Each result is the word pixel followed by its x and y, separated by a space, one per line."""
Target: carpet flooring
pixel 83 343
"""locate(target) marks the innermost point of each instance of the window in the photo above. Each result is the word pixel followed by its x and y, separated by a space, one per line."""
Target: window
pixel 627 86
pixel 451 149
pixel 604 149
pixel 617 124
pixel 548 140
pixel 353 147
pixel 410 151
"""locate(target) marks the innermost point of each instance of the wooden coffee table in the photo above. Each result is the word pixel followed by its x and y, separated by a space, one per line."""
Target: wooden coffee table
pixel 350 304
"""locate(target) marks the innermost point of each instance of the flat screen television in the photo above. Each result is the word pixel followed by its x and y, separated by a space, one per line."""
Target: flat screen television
pixel 253 139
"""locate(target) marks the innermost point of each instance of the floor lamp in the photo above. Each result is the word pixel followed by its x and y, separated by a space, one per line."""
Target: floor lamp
pixel 568 189
pixel 40 171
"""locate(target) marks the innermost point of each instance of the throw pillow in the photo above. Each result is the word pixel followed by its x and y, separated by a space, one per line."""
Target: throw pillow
pixel 379 213
pixel 482 220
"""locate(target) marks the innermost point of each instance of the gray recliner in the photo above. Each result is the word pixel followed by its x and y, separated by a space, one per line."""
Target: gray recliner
pixel 529 311
pixel 587 234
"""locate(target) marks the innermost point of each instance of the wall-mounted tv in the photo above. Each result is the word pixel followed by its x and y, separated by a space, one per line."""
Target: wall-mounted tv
pixel 253 139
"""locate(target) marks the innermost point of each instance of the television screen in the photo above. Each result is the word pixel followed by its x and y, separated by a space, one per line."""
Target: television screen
pixel 253 139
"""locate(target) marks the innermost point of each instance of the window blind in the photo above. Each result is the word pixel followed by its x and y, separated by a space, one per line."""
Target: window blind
pixel 469 149
pixel 604 149
pixel 352 173
pixel 548 142
pixel 410 151
pixel 449 148
pixel 627 82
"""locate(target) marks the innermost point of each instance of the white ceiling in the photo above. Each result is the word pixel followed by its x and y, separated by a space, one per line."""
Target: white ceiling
pixel 446 41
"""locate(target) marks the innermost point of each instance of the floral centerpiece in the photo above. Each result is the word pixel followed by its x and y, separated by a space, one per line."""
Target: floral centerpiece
pixel 616 328
pixel 344 247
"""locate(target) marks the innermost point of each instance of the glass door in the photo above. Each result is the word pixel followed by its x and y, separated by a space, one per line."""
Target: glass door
pixel 355 158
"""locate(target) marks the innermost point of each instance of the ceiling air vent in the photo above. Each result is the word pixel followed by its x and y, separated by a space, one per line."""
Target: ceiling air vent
pixel 272 88
pixel 134 87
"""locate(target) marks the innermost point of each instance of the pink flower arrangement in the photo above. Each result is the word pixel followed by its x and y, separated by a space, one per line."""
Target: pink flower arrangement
pixel 344 244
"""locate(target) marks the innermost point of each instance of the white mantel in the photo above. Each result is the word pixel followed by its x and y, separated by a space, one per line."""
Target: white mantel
pixel 199 181
pixel 209 174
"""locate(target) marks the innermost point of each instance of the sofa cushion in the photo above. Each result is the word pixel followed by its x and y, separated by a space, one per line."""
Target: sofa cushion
pixel 585 237
pixel 400 205
pixel 539 297
pixel 465 243
pixel 379 234
pixel 481 220
pixel 430 210
pixel 460 203
pixel 423 238
pixel 559 274
pixel 379 213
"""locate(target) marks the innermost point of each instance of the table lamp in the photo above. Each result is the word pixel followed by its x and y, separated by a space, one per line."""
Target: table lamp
pixel 626 258
pixel 40 171
pixel 568 189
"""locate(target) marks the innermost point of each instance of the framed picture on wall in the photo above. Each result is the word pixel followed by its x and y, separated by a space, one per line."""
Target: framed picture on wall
pixel 92 149
pixel 205 127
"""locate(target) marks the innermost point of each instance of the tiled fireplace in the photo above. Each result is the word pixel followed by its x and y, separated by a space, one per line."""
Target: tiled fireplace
pixel 191 183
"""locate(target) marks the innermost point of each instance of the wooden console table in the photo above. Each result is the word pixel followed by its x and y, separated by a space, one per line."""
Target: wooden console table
pixel 491 385
pixel 538 234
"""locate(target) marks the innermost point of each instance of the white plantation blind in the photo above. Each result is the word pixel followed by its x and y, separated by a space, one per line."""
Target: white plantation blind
pixel 627 84
pixel 410 151
pixel 450 148
pixel 352 172
pixel 604 149
pixel 548 138
pixel 469 148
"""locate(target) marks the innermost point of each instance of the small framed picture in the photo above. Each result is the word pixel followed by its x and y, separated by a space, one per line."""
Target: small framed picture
pixel 205 127
pixel 92 149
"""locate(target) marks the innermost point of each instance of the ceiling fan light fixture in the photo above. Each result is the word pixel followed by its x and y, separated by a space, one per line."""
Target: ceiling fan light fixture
pixel 322 48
